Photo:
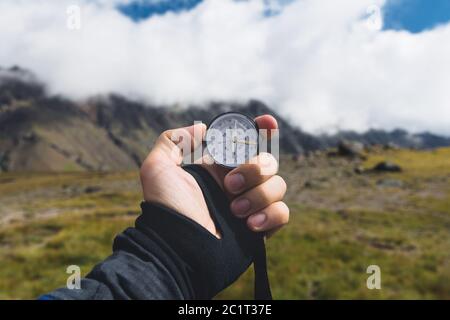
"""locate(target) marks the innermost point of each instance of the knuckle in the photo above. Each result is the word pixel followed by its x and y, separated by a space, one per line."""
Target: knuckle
pixel 281 184
pixel 281 213
pixel 267 164
pixel 162 139
pixel 262 165
pixel 250 169
pixel 271 191
pixel 278 215
pixel 269 157
pixel 255 170
pixel 265 196
pixel 164 135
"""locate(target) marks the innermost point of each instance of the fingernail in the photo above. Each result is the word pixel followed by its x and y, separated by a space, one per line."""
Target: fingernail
pixel 257 220
pixel 235 182
pixel 240 207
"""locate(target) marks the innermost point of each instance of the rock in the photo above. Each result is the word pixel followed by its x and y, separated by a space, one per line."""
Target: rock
pixel 390 183
pixel 29 137
pixel 351 149
pixel 312 184
pixel 359 170
pixel 92 189
pixel 319 183
pixel 308 184
pixel 387 166
pixel 391 146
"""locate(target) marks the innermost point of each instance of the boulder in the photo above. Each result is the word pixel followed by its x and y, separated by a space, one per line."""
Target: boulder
pixel 386 166
pixel 391 146
pixel 92 189
pixel 351 149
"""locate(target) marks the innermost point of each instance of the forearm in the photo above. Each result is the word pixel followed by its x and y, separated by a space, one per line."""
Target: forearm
pixel 141 267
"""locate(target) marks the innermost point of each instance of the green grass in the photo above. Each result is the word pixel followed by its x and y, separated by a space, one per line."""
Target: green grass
pixel 35 255
pixel 322 254
pixel 416 164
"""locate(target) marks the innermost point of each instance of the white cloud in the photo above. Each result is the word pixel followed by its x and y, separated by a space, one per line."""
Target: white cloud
pixel 316 62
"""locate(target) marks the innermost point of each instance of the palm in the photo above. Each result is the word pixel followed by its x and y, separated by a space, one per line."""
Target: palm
pixel 173 187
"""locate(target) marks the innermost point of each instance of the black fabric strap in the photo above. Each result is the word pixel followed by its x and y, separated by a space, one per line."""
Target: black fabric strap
pixel 262 285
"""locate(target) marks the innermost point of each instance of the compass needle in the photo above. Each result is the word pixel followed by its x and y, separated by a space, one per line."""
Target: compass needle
pixel 253 143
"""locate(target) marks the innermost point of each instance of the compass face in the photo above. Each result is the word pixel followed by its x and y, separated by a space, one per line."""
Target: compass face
pixel 232 139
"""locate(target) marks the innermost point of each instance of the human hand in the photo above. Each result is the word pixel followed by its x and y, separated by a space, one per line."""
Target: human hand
pixel 256 194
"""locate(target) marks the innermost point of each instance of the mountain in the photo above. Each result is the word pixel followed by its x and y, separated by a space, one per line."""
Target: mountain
pixel 39 132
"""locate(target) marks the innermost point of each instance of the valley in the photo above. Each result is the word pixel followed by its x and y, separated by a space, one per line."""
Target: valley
pixel 344 217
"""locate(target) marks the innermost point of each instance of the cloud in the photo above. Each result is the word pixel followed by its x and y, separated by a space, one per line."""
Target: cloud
pixel 316 61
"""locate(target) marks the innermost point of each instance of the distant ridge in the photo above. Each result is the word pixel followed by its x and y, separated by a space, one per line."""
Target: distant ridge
pixel 39 132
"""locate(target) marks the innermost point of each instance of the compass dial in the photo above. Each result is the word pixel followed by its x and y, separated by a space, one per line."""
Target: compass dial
pixel 232 139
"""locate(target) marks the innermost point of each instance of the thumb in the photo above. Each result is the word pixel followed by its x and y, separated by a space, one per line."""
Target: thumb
pixel 172 145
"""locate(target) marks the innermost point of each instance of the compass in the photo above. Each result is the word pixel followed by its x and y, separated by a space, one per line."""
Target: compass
pixel 232 139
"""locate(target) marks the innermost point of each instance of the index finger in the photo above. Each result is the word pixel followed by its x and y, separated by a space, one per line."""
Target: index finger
pixel 267 123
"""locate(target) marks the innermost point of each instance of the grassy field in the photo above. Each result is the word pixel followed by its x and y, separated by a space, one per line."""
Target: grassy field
pixel 341 222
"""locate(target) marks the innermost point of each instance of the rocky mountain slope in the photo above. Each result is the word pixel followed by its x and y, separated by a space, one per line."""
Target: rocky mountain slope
pixel 39 132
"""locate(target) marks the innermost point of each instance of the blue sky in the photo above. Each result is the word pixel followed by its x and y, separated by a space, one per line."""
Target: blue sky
pixel 140 10
pixel 416 15
pixel 411 15
pixel 143 9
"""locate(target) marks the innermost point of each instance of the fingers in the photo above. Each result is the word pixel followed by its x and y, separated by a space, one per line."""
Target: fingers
pixel 266 123
pixel 249 175
pixel 270 218
pixel 176 143
pixel 259 197
pixel 257 188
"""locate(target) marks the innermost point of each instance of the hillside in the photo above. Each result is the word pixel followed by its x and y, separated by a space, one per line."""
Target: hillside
pixel 39 132
pixel 341 222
